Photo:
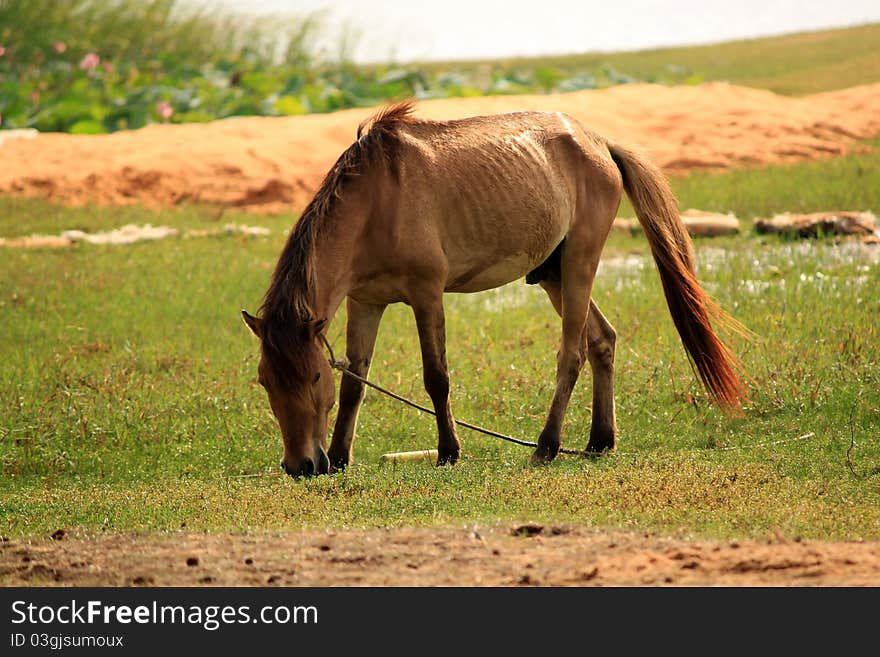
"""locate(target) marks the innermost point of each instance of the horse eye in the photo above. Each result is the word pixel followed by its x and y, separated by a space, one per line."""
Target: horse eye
pixel 317 378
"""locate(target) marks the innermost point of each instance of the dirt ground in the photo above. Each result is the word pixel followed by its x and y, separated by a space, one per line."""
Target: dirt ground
pixel 502 555
pixel 276 164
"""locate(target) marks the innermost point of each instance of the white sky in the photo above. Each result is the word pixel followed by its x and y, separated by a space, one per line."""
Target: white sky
pixel 408 30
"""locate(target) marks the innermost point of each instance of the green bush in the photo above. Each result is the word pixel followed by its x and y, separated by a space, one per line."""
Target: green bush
pixel 96 66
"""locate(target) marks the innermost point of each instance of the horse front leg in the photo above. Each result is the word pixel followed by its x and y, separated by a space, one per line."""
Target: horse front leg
pixel 361 329
pixel 431 323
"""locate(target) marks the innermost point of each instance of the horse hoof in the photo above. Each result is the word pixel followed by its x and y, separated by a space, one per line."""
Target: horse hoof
pixel 601 442
pixel 543 456
pixel 447 459
pixel 337 465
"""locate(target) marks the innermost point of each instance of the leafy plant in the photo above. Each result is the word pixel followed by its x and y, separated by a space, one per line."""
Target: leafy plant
pixel 93 66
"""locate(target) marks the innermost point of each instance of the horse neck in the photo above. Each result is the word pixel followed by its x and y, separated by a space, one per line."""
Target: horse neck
pixel 333 263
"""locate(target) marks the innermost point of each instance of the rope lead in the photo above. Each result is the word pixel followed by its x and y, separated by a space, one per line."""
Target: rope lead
pixel 343 366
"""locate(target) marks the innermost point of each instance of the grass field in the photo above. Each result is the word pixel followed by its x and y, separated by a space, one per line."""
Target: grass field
pixel 794 64
pixel 128 399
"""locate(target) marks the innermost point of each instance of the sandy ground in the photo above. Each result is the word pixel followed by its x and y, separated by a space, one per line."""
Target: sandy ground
pixel 275 164
pixel 503 555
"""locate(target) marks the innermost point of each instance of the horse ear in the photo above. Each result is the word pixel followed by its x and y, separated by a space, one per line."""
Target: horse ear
pixel 316 326
pixel 253 323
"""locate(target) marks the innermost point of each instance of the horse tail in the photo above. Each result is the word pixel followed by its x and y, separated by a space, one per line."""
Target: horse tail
pixel 691 308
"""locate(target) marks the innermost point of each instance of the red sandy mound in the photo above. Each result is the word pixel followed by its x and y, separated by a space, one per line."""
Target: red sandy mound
pixel 275 164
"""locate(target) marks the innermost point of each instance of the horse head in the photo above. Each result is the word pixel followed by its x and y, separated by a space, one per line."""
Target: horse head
pixel 299 382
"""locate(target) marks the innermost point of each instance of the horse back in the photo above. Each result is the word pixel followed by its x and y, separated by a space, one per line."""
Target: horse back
pixel 484 200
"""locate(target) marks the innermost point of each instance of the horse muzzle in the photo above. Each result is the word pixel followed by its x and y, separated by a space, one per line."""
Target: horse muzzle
pixel 309 467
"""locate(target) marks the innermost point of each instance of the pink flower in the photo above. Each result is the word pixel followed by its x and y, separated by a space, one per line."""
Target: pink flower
pixel 89 62
pixel 59 47
pixel 2 51
pixel 164 110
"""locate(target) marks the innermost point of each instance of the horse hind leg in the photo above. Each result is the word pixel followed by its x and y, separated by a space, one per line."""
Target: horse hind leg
pixel 599 344
pixel 578 261
pixel 601 340
pixel 574 305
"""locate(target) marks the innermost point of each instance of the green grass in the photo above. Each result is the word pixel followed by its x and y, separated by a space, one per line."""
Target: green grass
pixel 843 183
pixel 795 64
pixel 128 399
pixel 21 216
pixel 847 183
pixel 146 29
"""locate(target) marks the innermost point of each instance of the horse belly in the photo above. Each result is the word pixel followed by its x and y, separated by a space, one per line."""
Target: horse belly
pixel 493 246
pixel 486 277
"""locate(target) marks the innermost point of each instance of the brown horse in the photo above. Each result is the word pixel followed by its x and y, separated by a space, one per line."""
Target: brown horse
pixel 416 208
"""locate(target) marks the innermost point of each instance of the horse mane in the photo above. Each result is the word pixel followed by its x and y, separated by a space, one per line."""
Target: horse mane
pixel 287 305
pixel 386 119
